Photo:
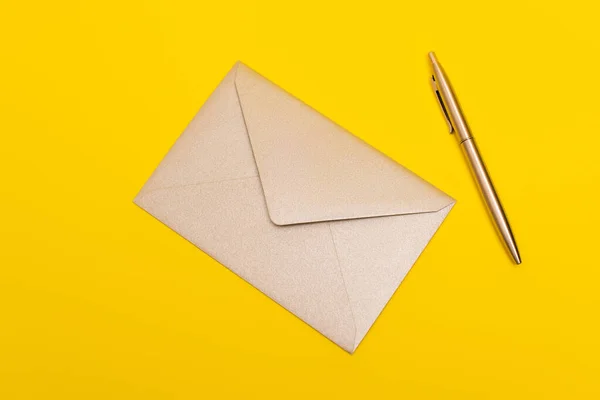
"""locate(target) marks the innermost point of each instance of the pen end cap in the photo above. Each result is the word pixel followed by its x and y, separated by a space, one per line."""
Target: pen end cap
pixel 432 57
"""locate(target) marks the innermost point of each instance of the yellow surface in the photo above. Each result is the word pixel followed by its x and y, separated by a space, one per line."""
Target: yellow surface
pixel 100 301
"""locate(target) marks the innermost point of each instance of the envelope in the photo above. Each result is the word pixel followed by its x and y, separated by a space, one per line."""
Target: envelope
pixel 312 216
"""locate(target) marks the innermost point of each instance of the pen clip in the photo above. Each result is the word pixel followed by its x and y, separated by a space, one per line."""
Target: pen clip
pixel 441 102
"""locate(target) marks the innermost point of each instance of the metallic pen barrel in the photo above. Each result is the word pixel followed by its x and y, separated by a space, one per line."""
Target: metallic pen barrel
pixel 458 125
pixel 491 198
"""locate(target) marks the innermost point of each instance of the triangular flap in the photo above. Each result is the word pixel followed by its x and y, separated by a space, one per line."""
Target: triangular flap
pixel 312 169
pixel 213 147
pixel 376 254
pixel 295 266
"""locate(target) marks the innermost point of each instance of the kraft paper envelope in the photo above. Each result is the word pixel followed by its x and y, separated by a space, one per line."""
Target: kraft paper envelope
pixel 309 214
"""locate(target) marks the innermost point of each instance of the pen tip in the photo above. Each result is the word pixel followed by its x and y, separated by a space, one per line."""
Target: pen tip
pixel 516 256
pixel 512 248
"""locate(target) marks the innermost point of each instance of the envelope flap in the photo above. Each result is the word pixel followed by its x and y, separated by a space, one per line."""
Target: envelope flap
pixel 312 169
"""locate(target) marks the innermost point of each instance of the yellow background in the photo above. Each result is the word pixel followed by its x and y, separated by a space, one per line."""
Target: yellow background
pixel 100 301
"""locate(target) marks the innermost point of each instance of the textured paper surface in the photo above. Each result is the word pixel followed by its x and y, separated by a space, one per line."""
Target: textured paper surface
pixel 313 217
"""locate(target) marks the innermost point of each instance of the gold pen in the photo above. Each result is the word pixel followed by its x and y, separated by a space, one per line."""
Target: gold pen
pixel 458 125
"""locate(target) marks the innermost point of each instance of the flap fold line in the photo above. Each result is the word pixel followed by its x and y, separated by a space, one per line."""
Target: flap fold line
pixel 337 258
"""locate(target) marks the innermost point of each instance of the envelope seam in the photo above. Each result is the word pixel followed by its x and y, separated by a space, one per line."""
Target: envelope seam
pixel 142 195
pixel 239 100
pixel 345 287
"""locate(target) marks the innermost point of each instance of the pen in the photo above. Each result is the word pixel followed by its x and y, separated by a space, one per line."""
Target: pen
pixel 458 125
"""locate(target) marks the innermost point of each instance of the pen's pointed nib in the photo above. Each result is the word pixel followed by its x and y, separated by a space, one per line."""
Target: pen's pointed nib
pixel 515 254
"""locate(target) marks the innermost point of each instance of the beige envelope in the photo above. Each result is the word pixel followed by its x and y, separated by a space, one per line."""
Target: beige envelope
pixel 309 214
